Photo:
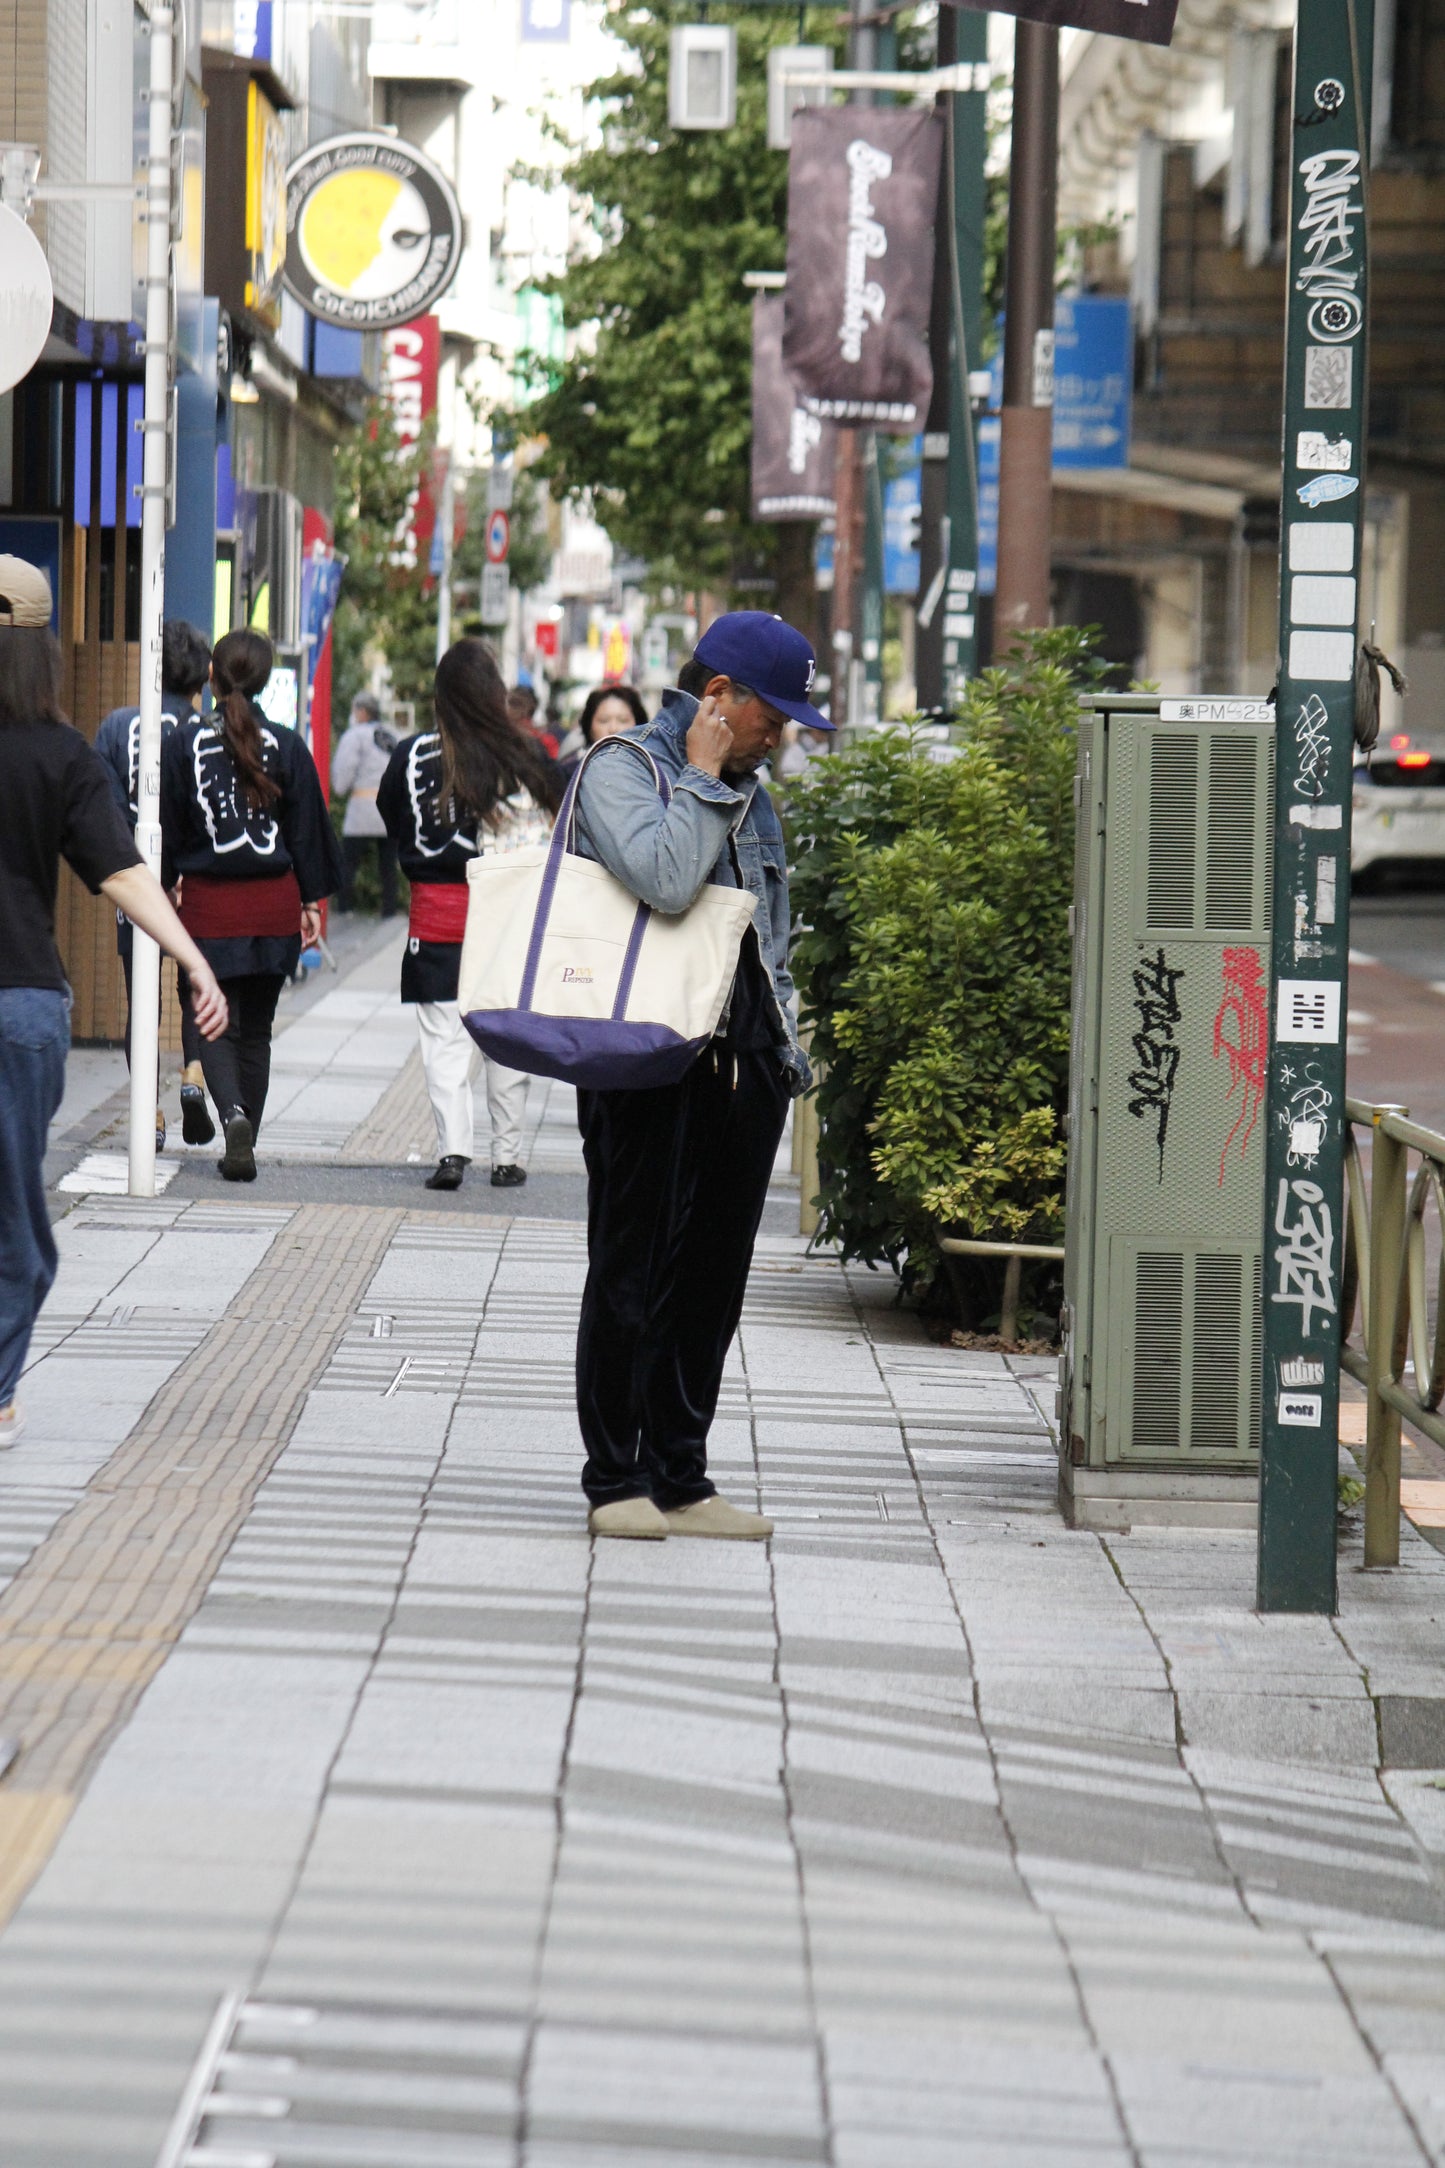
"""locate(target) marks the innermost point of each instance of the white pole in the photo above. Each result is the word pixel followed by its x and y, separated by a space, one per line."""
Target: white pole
pixel 146 957
pixel 446 515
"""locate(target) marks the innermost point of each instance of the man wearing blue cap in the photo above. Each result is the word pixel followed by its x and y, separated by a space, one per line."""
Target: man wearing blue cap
pixel 677 1176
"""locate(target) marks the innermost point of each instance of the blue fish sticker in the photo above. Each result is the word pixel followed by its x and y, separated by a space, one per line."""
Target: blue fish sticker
pixel 1327 488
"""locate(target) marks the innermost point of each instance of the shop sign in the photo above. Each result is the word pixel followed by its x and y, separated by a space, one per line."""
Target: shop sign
pixel 29 299
pixel 373 232
pixel 265 206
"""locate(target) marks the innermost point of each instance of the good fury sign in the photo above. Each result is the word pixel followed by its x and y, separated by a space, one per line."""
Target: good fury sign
pixel 373 231
pixel 862 204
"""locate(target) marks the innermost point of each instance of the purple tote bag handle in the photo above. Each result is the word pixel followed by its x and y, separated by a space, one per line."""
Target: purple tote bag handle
pixel 561 843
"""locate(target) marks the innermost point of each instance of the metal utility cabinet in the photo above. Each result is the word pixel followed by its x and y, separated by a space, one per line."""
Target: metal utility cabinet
pixel 1159 1383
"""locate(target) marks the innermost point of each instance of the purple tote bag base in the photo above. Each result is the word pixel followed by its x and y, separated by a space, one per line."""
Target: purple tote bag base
pixel 598 1054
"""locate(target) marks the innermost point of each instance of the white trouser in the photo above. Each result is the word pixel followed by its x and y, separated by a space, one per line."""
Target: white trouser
pixel 450 1059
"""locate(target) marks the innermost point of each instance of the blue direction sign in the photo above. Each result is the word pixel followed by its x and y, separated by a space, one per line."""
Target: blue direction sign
pixel 1093 372
pixel 902 511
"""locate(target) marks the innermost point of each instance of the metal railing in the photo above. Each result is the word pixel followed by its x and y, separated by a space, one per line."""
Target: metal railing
pixel 1386 1278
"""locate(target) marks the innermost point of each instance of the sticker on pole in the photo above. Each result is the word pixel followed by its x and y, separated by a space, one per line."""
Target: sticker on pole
pixel 499 537
pixel 29 299
pixel 1307 1012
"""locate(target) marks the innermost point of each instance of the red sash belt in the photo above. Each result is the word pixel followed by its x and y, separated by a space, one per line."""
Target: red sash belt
pixel 218 910
pixel 438 910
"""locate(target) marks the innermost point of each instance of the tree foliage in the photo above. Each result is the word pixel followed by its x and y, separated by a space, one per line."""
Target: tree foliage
pixel 651 414
pixel 934 967
pixel 385 606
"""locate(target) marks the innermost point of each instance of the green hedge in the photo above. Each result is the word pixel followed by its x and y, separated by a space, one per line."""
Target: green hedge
pixel 934 967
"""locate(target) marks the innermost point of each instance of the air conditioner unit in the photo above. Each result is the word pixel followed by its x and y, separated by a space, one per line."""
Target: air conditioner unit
pixel 702 82
pixel 1159 1398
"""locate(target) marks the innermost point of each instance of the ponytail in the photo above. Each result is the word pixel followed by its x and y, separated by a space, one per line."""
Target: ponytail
pixel 240 668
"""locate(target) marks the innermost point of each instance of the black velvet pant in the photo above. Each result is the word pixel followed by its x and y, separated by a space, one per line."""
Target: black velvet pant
pixel 676 1182
pixel 238 1064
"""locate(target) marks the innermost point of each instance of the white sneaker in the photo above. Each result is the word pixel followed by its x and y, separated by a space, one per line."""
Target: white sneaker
pixel 12 1423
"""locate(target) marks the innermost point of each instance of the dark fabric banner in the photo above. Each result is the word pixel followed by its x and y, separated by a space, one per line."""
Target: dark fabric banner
pixel 1148 22
pixel 862 204
pixel 794 452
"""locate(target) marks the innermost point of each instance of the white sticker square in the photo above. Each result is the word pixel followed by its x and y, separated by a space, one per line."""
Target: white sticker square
pixel 1322 545
pixel 1329 376
pixel 1303 1411
pixel 1301 1370
pixel 1316 453
pixel 1307 1011
pixel 1324 658
pixel 1305 1139
pixel 1314 600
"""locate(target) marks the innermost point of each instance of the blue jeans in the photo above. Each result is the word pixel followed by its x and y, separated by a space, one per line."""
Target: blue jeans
pixel 34 1041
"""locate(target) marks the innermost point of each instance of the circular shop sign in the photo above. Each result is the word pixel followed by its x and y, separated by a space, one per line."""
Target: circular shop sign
pixel 29 299
pixel 373 232
pixel 499 536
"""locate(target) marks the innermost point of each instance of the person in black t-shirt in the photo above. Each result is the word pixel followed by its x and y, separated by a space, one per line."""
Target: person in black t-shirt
pixel 55 802
pixel 185 667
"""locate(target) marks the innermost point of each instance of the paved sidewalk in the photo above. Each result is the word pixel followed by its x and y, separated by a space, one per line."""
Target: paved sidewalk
pixel 931 1836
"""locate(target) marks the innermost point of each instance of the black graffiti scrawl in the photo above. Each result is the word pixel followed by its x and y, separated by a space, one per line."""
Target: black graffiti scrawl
pixel 1156 1050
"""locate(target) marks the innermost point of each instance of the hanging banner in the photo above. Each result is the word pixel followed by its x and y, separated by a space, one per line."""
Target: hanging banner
pixel 1147 22
pixel 794 452
pixel 411 360
pixel 862 207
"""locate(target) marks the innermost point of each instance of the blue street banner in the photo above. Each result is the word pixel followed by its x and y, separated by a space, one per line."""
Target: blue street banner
pixel 902 461
pixel 1093 374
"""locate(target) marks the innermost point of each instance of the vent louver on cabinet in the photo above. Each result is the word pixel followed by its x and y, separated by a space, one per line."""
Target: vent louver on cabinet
pixel 1158 1350
pixel 1173 802
pixel 1214 1404
pixel 1230 860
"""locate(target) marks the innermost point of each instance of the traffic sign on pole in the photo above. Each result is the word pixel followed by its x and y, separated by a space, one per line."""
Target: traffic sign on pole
pixel 498 537
pixel 1325 407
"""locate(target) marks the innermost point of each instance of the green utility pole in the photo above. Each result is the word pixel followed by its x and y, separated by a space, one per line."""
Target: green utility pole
pixel 871 611
pixel 1325 409
pixel 947 653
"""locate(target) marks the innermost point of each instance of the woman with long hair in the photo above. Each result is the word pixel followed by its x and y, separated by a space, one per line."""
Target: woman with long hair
pixel 475 783
pixel 56 802
pixel 248 835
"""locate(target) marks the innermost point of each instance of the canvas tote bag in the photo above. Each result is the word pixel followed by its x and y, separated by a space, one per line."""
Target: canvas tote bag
pixel 566 974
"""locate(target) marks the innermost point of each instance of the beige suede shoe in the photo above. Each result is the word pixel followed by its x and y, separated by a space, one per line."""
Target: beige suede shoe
pixel 635 1517
pixel 716 1517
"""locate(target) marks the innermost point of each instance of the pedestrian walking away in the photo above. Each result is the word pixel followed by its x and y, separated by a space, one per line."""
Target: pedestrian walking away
pixel 357 767
pixel 185 669
pixel 677 1176
pixel 56 802
pixel 247 833
pixel 475 783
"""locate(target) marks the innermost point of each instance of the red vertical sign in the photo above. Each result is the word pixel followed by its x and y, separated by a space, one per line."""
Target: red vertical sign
pixel 411 362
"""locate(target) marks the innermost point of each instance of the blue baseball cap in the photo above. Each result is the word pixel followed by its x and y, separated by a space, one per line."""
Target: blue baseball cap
pixel 759 650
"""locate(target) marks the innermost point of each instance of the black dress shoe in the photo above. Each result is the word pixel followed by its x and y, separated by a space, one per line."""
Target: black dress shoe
pixel 449 1173
pixel 239 1164
pixel 508 1177
pixel 196 1124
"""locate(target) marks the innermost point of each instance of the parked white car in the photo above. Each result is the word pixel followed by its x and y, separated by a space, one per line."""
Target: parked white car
pixel 1399 806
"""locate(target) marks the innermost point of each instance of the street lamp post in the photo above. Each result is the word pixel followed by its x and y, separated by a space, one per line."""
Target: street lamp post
pixel 145 963
pixel 1025 496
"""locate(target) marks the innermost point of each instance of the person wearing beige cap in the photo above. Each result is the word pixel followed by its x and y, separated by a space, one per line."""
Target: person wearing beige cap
pixel 56 802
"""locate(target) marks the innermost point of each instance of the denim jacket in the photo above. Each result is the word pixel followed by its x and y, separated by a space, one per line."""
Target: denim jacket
pixel 665 855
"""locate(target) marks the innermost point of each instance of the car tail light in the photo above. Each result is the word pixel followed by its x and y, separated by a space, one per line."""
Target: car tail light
pixel 1414 760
